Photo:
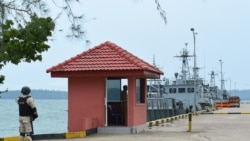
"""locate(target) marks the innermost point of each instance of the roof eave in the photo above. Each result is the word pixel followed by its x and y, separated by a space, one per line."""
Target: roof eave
pixel 107 73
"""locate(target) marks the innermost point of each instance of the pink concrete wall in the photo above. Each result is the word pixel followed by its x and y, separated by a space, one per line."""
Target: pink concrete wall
pixel 137 112
pixel 141 110
pixel 140 116
pixel 85 103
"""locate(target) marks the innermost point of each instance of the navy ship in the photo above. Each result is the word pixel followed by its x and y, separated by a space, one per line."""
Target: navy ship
pixel 186 92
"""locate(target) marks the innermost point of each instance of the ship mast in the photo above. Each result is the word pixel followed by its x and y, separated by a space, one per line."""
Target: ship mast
pixel 212 79
pixel 185 69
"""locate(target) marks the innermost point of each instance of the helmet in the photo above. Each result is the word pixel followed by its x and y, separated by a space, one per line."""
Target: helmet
pixel 25 90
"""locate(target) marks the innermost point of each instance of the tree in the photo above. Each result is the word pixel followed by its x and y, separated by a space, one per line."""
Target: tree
pixel 21 11
pixel 25 44
pixel 161 11
pixel 25 29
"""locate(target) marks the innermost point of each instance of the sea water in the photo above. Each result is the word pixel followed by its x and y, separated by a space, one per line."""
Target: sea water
pixel 53 117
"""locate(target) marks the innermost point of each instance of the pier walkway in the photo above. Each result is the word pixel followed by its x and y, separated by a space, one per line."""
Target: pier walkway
pixel 219 126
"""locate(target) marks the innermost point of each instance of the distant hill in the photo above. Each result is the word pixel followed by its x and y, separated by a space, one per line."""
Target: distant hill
pixel 243 94
pixel 37 94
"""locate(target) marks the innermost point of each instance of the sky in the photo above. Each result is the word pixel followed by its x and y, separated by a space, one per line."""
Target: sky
pixel 222 27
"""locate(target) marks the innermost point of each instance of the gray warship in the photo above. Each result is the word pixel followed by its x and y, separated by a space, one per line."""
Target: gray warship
pixel 186 92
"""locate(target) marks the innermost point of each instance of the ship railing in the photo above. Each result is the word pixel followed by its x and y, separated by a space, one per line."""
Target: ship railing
pixel 159 108
pixel 160 103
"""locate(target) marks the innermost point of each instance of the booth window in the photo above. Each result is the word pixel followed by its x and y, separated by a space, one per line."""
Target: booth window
pixel 113 90
pixel 140 90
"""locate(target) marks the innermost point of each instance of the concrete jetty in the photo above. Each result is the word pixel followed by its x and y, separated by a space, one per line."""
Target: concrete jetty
pixel 215 127
pixel 219 126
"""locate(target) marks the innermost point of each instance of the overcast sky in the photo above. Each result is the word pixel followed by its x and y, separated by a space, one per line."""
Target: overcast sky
pixel 223 29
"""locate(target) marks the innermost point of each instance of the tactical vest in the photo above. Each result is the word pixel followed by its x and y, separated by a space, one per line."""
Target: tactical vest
pixel 24 108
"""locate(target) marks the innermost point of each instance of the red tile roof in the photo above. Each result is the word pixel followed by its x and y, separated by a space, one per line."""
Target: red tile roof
pixel 104 57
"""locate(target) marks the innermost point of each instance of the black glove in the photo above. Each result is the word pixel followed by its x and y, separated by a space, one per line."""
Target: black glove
pixel 34 114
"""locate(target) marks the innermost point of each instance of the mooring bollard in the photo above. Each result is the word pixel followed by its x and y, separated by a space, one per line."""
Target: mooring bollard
pixel 190 118
pixel 189 121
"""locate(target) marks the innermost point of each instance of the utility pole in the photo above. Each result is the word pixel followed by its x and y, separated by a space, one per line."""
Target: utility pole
pixel 195 71
pixel 235 89
pixel 222 79
pixel 230 84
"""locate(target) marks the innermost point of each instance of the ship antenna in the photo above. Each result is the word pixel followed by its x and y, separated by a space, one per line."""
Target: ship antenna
pixel 154 60
pixel 195 69
pixel 186 44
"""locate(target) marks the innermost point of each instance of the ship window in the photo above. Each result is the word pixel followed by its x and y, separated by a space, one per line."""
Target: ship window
pixel 172 90
pixel 190 90
pixel 181 90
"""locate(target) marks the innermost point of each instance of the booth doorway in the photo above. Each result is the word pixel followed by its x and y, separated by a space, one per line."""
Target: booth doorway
pixel 116 112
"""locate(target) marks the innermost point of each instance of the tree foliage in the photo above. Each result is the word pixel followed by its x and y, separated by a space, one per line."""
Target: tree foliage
pixel 161 11
pixel 25 26
pixel 25 44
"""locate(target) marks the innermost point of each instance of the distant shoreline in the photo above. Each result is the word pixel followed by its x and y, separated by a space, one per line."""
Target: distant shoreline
pixel 56 94
pixel 245 102
pixel 37 94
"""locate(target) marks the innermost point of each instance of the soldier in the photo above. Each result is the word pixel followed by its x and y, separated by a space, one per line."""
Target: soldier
pixel 27 113
pixel 124 100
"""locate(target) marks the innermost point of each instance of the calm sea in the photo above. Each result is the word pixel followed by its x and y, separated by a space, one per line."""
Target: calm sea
pixel 52 118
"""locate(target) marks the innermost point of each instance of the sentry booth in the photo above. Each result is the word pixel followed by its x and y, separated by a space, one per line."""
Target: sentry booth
pixel 95 81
